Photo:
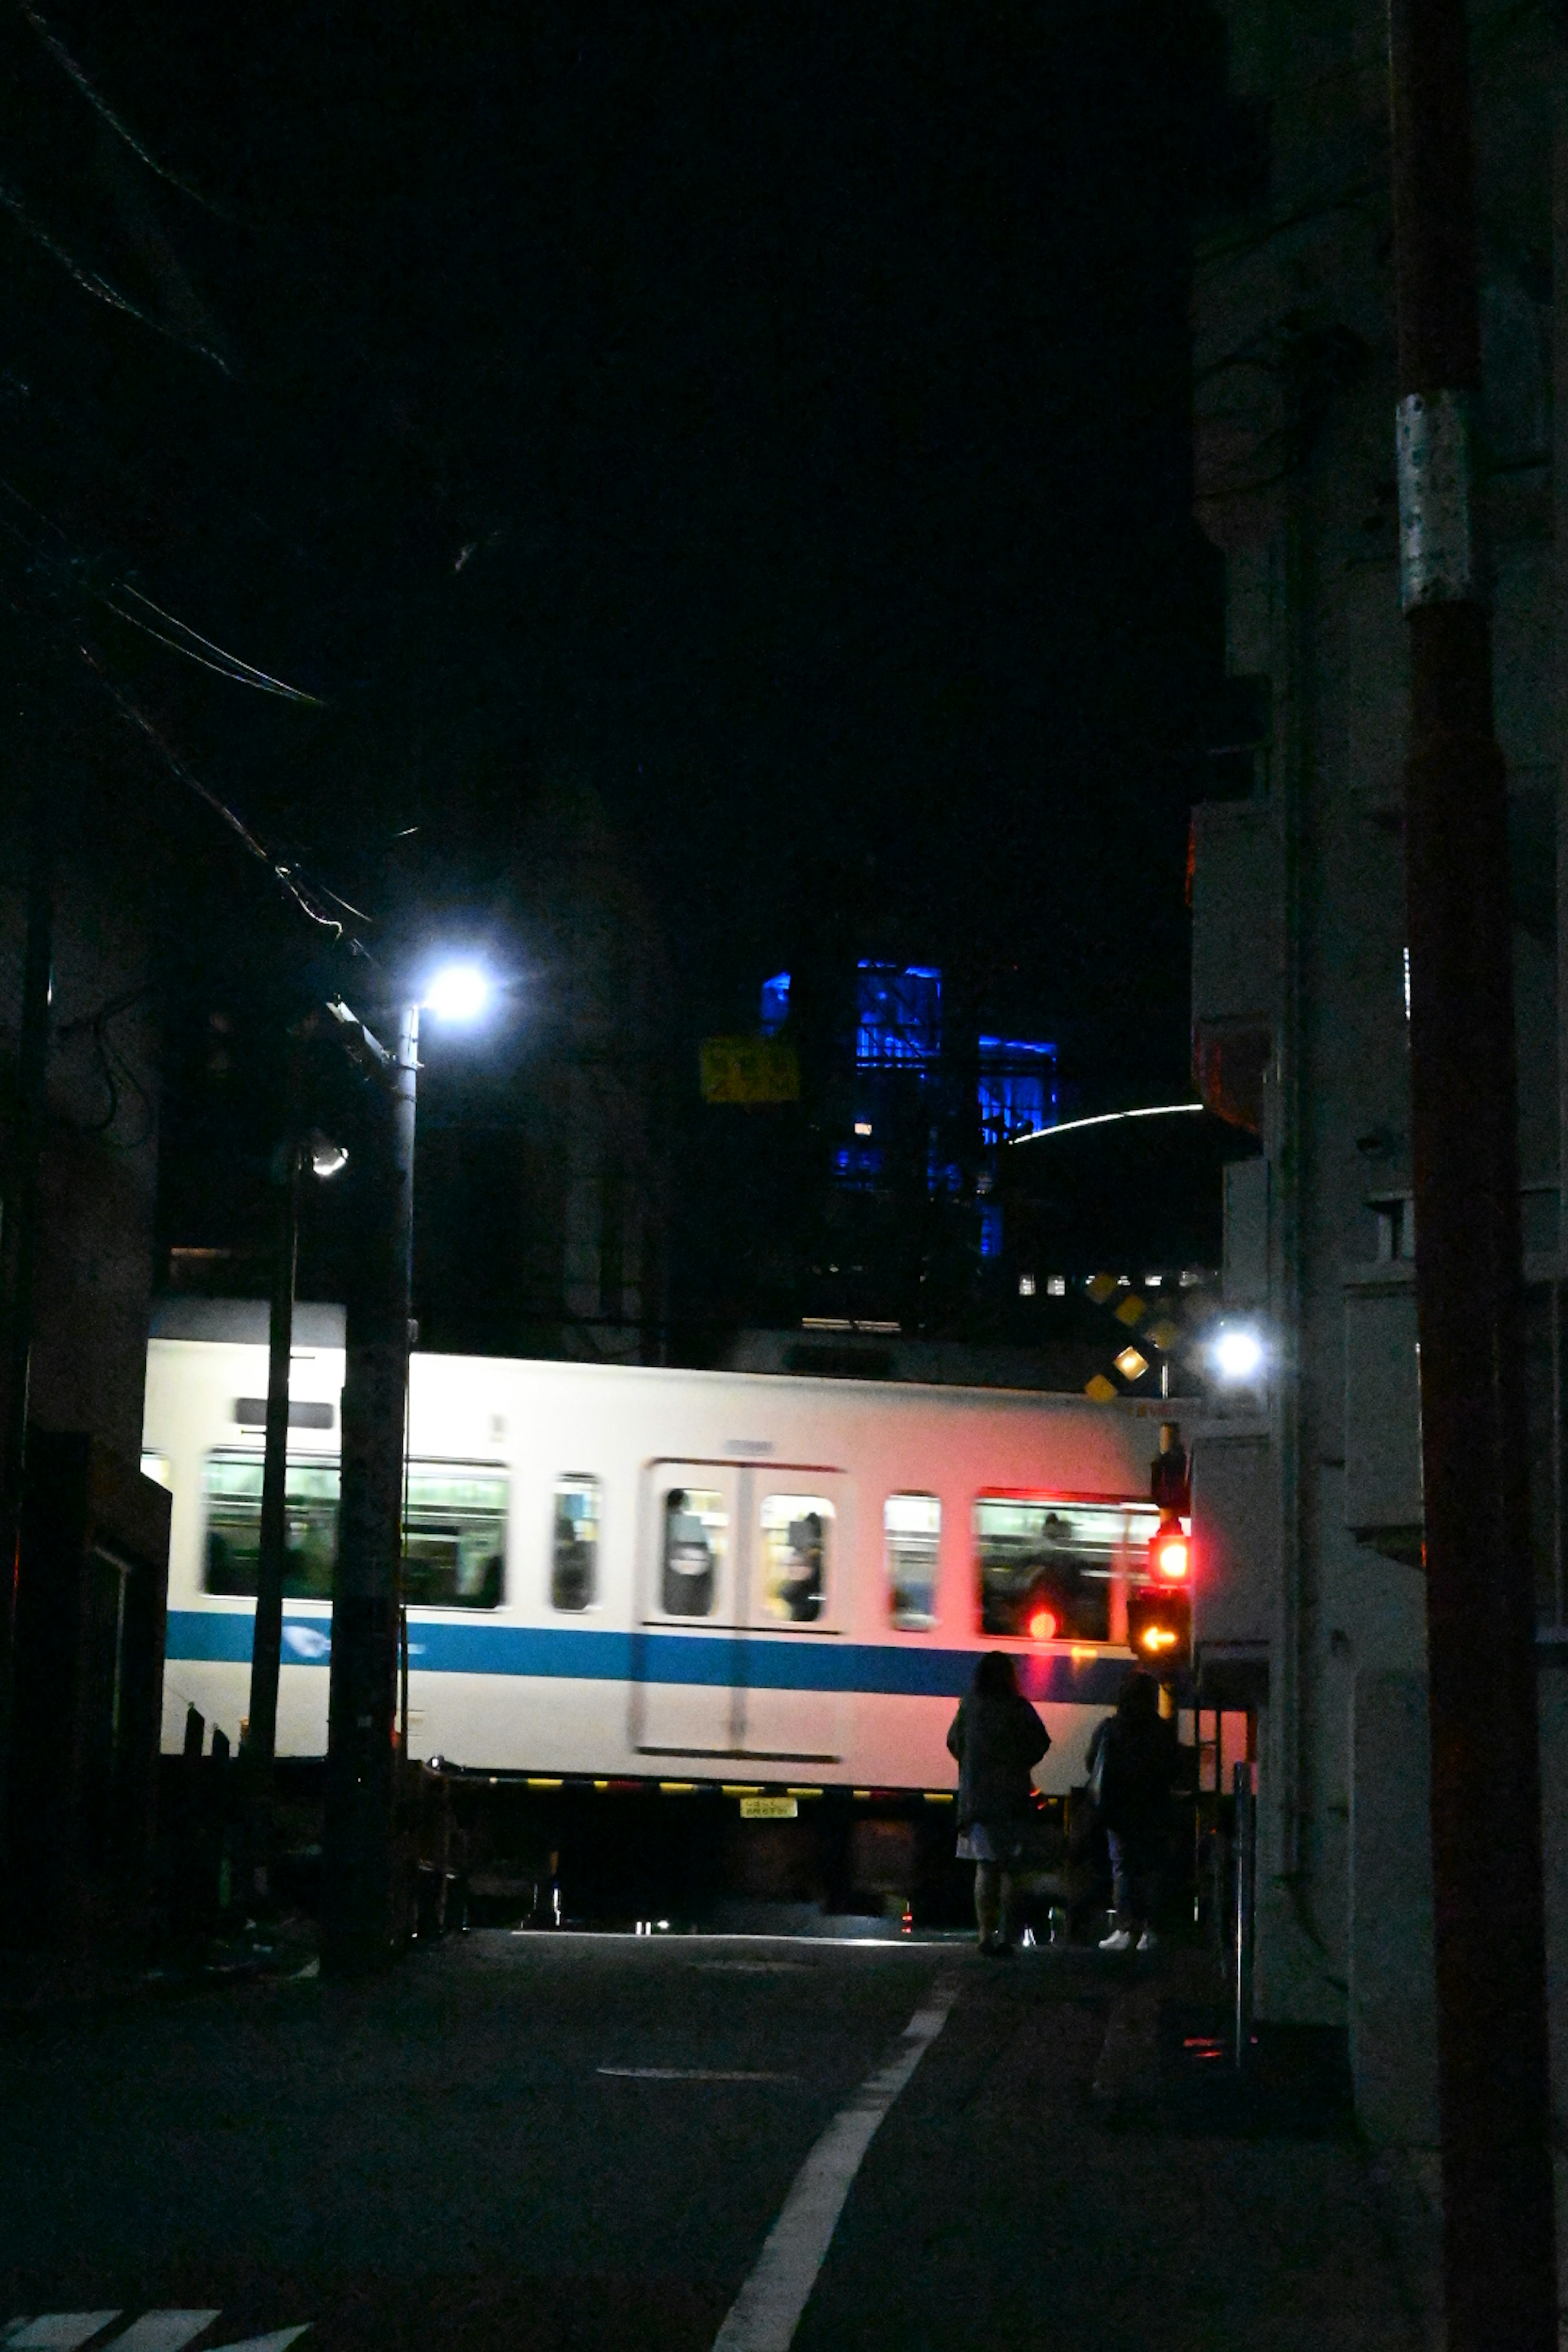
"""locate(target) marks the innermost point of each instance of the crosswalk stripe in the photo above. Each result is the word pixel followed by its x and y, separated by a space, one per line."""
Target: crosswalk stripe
pixel 161 2331
pixel 155 2331
pixel 56 2331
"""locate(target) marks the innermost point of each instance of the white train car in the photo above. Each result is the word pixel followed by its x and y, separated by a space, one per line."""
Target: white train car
pixel 638 1574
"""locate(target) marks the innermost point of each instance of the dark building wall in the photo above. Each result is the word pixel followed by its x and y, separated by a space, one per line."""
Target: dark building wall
pixel 95 1260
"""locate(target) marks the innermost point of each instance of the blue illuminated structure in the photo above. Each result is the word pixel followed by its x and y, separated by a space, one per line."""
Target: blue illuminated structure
pixel 775 1003
pixel 898 1016
pixel 1017 1089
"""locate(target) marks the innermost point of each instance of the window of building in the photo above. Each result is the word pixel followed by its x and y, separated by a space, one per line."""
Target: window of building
pixel 454 1536
pixel 231 1484
pixel 696 1530
pixel 574 1543
pixel 1045 1570
pixel 795 1531
pixel 911 1528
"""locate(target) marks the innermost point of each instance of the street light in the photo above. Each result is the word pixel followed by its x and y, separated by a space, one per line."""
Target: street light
pixel 1237 1353
pixel 458 994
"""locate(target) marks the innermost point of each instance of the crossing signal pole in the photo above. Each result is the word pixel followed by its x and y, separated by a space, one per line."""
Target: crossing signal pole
pixel 1499 2254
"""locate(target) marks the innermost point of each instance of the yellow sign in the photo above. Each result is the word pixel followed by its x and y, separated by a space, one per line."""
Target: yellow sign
pixel 768 1808
pixel 749 1070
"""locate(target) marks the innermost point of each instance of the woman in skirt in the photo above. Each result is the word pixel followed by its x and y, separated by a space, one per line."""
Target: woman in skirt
pixel 998 1739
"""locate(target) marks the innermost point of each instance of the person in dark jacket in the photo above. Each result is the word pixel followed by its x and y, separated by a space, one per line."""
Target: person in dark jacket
pixel 997 1739
pixel 1132 1761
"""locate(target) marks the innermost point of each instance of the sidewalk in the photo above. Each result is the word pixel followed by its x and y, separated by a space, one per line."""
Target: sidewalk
pixel 1075 2166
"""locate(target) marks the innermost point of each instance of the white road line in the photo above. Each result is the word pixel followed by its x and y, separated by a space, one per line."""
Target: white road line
pixel 754 1967
pixel 694 2075
pixel 766 2313
pixel 54 2331
pixel 161 2331
pixel 279 2340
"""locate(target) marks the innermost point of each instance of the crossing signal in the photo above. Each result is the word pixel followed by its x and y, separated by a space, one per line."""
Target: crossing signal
pixel 1160 1625
pixel 1160 1613
pixel 1170 1556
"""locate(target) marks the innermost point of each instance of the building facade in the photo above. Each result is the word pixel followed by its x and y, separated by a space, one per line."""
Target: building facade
pixel 1311 1481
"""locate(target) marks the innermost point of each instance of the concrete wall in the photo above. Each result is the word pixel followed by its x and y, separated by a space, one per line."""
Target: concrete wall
pixel 1298 922
pixel 1392 2013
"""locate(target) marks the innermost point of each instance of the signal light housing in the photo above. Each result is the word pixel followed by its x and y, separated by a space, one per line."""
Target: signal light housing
pixel 1160 1625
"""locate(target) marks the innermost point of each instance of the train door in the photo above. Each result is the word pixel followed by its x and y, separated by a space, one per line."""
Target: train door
pixel 793 1567
pixel 685 1691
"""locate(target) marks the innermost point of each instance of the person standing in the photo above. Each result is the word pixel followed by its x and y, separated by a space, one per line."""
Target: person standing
pixel 997 1739
pixel 1133 1762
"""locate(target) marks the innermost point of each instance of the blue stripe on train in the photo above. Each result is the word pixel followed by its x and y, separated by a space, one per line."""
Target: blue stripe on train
pixel 760 1661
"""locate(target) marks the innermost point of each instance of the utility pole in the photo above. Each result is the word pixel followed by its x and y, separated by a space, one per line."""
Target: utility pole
pixel 1499 2255
pixel 19 1242
pixel 357 1916
pixel 266 1646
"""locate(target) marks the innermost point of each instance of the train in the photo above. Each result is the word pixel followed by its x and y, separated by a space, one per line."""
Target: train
pixel 683 1579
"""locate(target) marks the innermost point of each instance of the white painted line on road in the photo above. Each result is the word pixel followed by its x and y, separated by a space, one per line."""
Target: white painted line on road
pixel 766 2313
pixel 56 2331
pixel 161 2331
pixel 695 2075
pixel 155 2331
pixel 279 2340
pixel 714 1936
pixel 754 1967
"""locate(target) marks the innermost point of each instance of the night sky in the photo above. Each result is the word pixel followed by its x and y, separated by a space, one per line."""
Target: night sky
pixel 773 422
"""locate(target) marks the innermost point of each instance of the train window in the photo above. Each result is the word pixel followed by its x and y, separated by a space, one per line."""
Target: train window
pixel 1047 1570
pixel 911 1526
pixel 455 1541
pixel 574 1543
pixel 796 1530
pixel 696 1528
pixel 232 1485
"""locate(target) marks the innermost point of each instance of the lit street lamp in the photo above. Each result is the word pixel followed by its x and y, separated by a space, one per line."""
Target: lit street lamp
pixel 1237 1353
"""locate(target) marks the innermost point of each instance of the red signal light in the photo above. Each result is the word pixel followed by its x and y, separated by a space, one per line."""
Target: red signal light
pixel 1172 1555
pixel 1042 1625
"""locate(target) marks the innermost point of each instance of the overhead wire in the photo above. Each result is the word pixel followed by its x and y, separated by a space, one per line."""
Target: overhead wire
pixel 260 676
pixel 229 667
pixel 285 873
pixel 99 288
pixel 106 113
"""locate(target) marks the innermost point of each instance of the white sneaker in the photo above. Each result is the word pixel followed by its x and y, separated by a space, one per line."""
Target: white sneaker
pixel 1148 1941
pixel 1118 1940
